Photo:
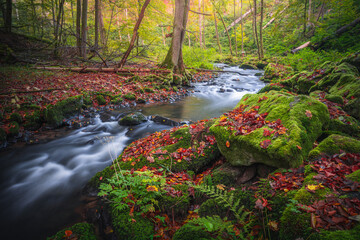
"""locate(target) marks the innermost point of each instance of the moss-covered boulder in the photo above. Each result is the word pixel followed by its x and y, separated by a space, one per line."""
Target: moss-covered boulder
pixel 353 59
pixel 100 99
pixel 352 234
pixel 176 206
pixel 132 119
pixel 345 125
pixel 33 121
pixel 131 227
pixel 273 71
pixel 276 129
pixel 55 114
pixel 333 144
pixel 334 98
pixel 129 96
pixel 79 231
pixel 14 129
pixel 353 107
pixel 16 117
pixel 354 176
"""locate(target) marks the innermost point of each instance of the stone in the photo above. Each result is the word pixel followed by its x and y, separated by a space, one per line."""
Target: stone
pixel 164 121
pixel 132 119
pixel 303 117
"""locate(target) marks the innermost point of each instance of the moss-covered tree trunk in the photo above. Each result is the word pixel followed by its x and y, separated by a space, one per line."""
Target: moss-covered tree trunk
pixel 174 58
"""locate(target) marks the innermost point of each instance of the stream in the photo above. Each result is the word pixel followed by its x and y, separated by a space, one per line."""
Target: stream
pixel 40 185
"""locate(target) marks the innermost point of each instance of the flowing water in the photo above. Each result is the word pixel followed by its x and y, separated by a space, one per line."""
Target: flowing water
pixel 41 184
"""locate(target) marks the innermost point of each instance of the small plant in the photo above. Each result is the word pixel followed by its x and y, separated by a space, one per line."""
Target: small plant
pixel 129 96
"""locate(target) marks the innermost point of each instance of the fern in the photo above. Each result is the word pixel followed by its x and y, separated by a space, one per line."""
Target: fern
pixel 214 224
pixel 226 199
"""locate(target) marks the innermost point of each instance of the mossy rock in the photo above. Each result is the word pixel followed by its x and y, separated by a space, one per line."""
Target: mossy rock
pixel 87 100
pixel 132 119
pixel 96 180
pixel 16 117
pixel 273 87
pixel 354 176
pixel 353 108
pixel 191 231
pixel 352 234
pixel 345 124
pixel 100 99
pixel 55 114
pixel 129 96
pixel 294 225
pixel 80 231
pixel 328 66
pixel 283 152
pixel 347 86
pixel 353 59
pixel 326 82
pixel 334 98
pixel 273 71
pixel 33 121
pixel 301 82
pixel 174 206
pixel 117 100
pixel 2 136
pixel 210 208
pixel 141 101
pixel 346 68
pixel 333 144
pixel 14 129
pixel 247 66
pixel 149 90
pixel 131 227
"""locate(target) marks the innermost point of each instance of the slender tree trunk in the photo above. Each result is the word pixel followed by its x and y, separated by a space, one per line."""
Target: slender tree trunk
pixel 261 29
pixel 163 36
pixel 309 12
pixel 101 26
pixel 84 28
pixel 223 22
pixel 236 50
pixel 33 18
pixel 78 26
pixel 255 30
pixel 305 9
pixel 203 23
pixel 8 16
pixel 242 31
pixel 57 26
pixel 174 58
pixel 217 32
pixel 135 34
pixel 200 28
pixel 96 44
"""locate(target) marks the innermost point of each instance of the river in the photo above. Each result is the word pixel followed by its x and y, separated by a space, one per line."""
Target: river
pixel 41 184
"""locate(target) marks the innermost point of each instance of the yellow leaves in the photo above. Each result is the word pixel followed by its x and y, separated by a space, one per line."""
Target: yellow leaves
pixel 223 118
pixel 221 186
pixel 152 189
pixel 313 187
pixel 273 225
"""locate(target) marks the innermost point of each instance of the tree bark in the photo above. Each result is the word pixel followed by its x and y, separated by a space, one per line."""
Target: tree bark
pixel 8 16
pixel 217 32
pixel 305 9
pixel 101 26
pixel 84 28
pixel 174 58
pixel 78 26
pixel 239 19
pixel 135 34
pixel 242 31
pixel 309 12
pixel 255 30
pixel 96 44
pixel 223 22
pixel 236 50
pixel 200 29
pixel 260 29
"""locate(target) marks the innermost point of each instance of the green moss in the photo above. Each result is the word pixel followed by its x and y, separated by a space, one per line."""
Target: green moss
pixel 132 119
pixel 273 71
pixel 176 207
pixel 141 100
pixel 100 99
pixel 80 231
pixel 347 86
pixel 346 68
pixel 14 129
pixel 294 225
pixel 2 135
pixel 129 96
pixel 327 66
pixel 131 227
pixel 345 124
pixel 333 144
pixel 352 234
pixel 99 177
pixel 33 121
pixel 54 114
pixel 334 98
pixel 16 117
pixel 149 90
pixel 87 99
pixel 191 231
pixel 354 176
pixel 210 208
pixel 283 151
pixel 352 108
pixel 117 100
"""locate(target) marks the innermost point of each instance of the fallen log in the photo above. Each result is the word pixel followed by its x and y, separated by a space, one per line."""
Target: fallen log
pixel 116 70
pixel 219 71
pixel 273 19
pixel 238 20
pixel 300 47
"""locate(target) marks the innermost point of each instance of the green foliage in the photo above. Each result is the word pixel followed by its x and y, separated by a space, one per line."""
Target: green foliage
pixel 80 231
pixel 129 96
pixel 128 188
pixel 100 99
pixel 16 117
pixel 199 58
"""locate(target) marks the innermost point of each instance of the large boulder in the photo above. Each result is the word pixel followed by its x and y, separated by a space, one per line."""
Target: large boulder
pixel 132 119
pixel 277 129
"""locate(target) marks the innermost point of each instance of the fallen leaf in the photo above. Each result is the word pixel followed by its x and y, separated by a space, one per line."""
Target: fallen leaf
pixel 227 144
pixel 308 114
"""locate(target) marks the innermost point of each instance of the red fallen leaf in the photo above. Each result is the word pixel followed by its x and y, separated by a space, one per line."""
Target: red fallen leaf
pixel 331 213
pixel 150 159
pixel 68 233
pixel 266 133
pixel 259 204
pixel 100 178
pixel 227 144
pixel 308 114
pixel 298 147
pixel 338 220
pixel 265 144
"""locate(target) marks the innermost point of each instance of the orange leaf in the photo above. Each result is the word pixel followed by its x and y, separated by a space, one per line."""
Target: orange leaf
pixel 227 144
pixel 68 233
pixel 298 147
pixel 308 114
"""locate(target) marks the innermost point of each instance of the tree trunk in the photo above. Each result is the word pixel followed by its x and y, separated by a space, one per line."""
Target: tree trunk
pixel 273 19
pixel 309 12
pixel 305 9
pixel 8 16
pixel 255 30
pixel 135 34
pixel 203 23
pixel 260 29
pixel 236 51
pixel 223 22
pixel 174 58
pixel 217 32
pixel 84 28
pixel 200 29
pixel 96 44
pixel 101 26
pixel 57 26
pixel 78 26
pixel 242 31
